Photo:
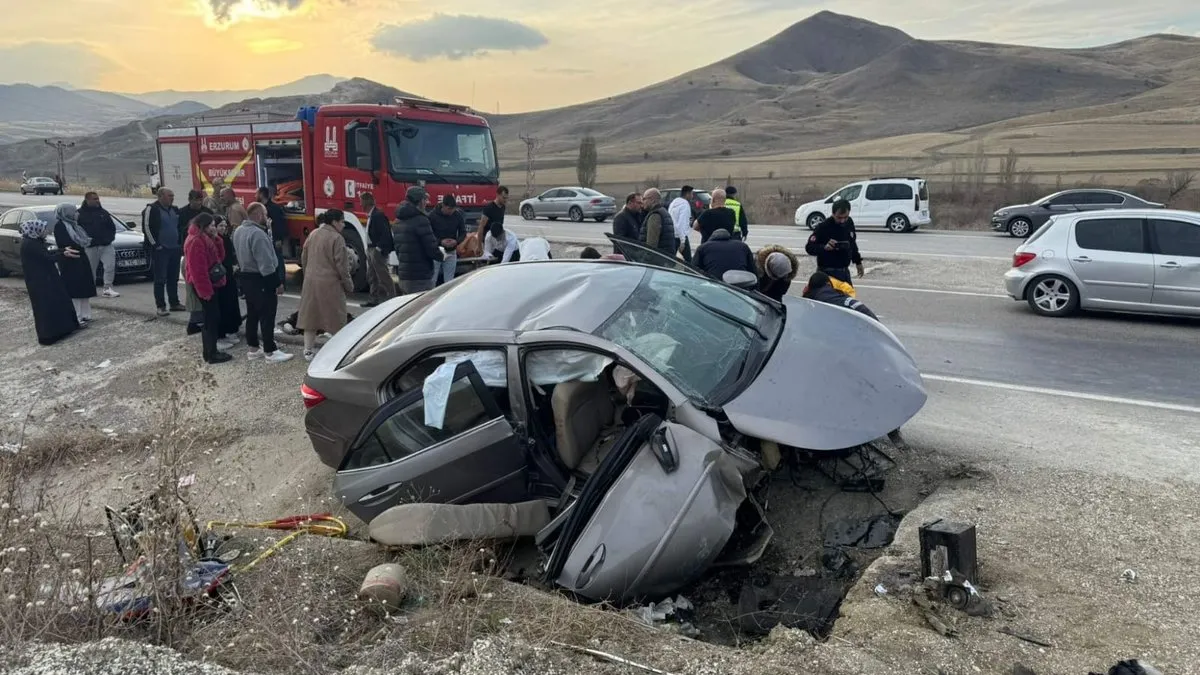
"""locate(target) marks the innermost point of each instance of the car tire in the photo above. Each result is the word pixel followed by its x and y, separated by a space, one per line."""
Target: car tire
pixel 1053 296
pixel 814 220
pixel 575 214
pixel 4 273
pixel 601 219
pixel 898 222
pixel 527 213
pixel 1020 228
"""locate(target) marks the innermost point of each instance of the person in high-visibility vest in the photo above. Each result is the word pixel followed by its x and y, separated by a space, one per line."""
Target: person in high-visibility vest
pixel 741 229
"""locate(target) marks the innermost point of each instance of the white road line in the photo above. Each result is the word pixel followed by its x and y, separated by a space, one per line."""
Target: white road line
pixel 1063 393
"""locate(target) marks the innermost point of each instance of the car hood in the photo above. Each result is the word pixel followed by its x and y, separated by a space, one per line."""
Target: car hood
pixel 1015 207
pixel 809 206
pixel 129 238
pixel 835 380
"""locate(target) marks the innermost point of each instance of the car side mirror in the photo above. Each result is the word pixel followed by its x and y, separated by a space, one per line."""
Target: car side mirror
pixel 742 279
pixel 1047 205
pixel 540 198
pixel 131 225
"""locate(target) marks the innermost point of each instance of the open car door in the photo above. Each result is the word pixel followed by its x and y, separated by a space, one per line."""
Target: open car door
pixel 453 446
pixel 640 253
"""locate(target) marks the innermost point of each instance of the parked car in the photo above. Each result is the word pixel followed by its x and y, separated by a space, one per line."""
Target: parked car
pixel 576 203
pixel 700 199
pixel 41 186
pixel 627 403
pixel 898 204
pixel 1131 260
pixel 130 245
pixel 1022 220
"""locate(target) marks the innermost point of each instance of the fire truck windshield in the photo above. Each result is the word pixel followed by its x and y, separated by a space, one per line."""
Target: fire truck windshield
pixel 439 151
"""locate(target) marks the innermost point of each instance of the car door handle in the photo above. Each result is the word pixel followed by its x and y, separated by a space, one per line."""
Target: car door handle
pixel 1081 259
pixel 1171 265
pixel 381 493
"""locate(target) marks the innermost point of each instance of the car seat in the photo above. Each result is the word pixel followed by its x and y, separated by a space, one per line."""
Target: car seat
pixel 582 411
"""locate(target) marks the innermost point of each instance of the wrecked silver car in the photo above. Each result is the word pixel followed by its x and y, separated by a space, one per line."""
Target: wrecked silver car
pixel 614 411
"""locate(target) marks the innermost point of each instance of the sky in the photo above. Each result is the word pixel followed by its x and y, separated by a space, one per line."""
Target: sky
pixel 511 56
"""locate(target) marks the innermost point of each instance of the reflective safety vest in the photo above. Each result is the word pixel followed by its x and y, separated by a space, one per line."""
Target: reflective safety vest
pixel 735 206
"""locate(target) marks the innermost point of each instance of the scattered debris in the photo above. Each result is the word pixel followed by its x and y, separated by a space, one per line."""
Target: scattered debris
pixel 611 658
pixel 187 481
pixel 810 603
pixel 385 584
pixel 1027 638
pixel 14 448
pixel 957 591
pixel 934 617
pixel 1131 667
pixel 680 609
pixel 948 546
pixel 875 532
pixel 880 590
pixel 104 364
pixel 1129 576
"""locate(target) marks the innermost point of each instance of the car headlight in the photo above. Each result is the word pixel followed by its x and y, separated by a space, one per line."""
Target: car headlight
pixel 1001 213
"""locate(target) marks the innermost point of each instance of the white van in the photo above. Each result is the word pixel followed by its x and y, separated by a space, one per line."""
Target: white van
pixel 898 204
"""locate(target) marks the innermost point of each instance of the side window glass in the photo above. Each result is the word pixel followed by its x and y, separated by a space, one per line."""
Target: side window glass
pixel 1176 237
pixel 405 431
pixel 851 193
pixel 1106 198
pixel 901 192
pixel 1065 199
pixel 876 192
pixel 1122 235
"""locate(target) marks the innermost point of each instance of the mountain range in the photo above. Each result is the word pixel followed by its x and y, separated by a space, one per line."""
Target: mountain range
pixel 826 81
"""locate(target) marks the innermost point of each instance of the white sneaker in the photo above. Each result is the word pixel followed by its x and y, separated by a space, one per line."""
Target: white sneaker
pixel 279 356
pixel 224 345
pixel 309 354
pixel 254 354
pixel 324 336
pixel 110 293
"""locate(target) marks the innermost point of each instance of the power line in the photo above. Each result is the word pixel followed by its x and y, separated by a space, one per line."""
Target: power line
pixel 61 147
pixel 532 145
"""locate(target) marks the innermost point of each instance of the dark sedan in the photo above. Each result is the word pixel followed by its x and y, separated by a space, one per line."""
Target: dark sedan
pixel 132 260
pixel 1023 220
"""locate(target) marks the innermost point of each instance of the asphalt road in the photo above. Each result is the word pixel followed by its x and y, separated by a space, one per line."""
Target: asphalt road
pixel 921 244
pixel 984 341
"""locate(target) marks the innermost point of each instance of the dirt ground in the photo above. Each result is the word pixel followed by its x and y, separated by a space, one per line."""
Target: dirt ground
pixel 1053 544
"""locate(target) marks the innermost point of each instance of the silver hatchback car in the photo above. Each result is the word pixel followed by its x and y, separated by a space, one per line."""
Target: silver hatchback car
pixel 1132 260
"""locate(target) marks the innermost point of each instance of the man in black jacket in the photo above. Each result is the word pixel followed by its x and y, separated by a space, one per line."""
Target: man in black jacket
pixel 417 250
pixel 195 207
pixel 450 229
pixel 99 226
pixel 627 224
pixel 835 244
pixel 380 245
pixel 820 289
pixel 658 230
pixel 165 232
pixel 277 227
pixel 722 253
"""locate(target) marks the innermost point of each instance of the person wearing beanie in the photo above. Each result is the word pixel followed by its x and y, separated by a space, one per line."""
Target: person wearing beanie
pixel 776 267
pixel 741 227
pixel 417 250
pixel 450 228
pixel 722 253
pixel 820 289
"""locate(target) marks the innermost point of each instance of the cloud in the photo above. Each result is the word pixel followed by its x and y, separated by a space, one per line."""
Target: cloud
pixel 75 62
pixel 455 37
pixel 229 11
pixel 564 71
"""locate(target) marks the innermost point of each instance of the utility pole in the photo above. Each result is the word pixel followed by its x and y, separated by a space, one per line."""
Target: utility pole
pixel 62 166
pixel 532 145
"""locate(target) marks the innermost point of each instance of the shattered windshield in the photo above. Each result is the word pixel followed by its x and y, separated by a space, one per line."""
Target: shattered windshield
pixel 702 336
pixel 441 151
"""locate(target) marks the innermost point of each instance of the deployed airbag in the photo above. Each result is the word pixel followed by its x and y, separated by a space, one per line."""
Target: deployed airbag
pixel 422 524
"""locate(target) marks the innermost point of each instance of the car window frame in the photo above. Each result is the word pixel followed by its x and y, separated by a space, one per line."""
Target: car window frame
pixel 1102 195
pixel 398 405
pixel 1145 245
pixel 1156 241
pixel 390 392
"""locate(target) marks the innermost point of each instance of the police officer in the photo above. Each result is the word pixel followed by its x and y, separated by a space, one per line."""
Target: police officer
pixel 741 227
pixel 835 244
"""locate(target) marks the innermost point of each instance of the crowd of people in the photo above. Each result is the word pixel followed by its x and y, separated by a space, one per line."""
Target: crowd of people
pixel 227 253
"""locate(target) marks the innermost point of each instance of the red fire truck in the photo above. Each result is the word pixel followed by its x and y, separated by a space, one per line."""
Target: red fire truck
pixel 328 155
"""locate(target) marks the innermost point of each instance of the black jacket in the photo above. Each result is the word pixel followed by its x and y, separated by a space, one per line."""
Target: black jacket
pixel 279 226
pixel 152 221
pixel 379 232
pixel 627 225
pixel 417 249
pixel 453 226
pixel 659 219
pixel 838 258
pixel 722 253
pixel 98 224
pixel 832 296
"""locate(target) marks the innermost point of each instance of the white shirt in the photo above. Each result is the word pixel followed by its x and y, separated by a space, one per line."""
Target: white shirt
pixel 535 248
pixel 510 246
pixel 681 215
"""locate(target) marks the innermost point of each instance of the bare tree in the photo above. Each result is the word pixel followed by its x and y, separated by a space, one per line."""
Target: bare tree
pixel 1008 172
pixel 532 146
pixel 979 172
pixel 1179 182
pixel 585 166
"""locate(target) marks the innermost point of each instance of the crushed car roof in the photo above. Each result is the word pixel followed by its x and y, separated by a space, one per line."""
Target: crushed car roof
pixel 529 296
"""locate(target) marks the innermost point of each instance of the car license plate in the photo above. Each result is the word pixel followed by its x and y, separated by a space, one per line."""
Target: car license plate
pixel 131 262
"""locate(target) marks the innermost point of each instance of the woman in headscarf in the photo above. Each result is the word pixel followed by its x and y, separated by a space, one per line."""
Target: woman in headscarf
pixel 326 281
pixel 227 295
pixel 53 315
pixel 204 270
pixel 76 271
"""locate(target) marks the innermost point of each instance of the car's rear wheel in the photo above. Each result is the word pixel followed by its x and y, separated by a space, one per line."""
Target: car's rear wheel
pixel 527 212
pixel 898 222
pixel 1053 296
pixel 1020 228
pixel 575 214
pixel 814 220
